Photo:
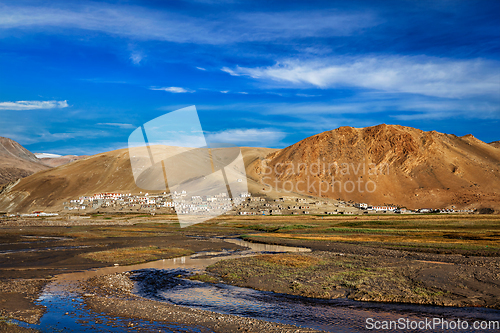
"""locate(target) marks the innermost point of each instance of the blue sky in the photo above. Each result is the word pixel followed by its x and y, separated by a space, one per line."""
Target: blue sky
pixel 78 77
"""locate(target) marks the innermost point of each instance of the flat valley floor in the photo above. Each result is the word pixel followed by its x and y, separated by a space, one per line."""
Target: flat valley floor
pixel 446 260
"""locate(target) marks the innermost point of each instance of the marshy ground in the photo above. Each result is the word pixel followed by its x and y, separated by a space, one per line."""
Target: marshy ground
pixel 423 259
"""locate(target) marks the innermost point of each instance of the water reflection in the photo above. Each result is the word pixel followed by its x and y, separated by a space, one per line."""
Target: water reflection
pixel 341 315
pixel 160 280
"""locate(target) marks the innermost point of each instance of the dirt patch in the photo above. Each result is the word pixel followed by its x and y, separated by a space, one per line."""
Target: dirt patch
pixel 17 296
pixel 7 327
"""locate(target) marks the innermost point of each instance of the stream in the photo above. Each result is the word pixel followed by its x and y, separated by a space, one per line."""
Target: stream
pixel 65 309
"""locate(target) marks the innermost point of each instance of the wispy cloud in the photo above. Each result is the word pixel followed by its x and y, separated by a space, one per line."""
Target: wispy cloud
pixel 400 108
pixel 201 68
pixel 303 24
pixel 423 75
pixel 33 105
pixel 106 80
pixel 307 95
pixel 120 125
pixel 248 137
pixel 32 135
pixel 232 72
pixel 360 110
pixel 175 90
pixel 136 57
pixel 147 24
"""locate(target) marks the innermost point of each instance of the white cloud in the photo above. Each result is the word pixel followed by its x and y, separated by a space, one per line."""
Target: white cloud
pixel 303 24
pixel 31 135
pixel 136 57
pixel 230 71
pixel 33 105
pixel 449 109
pixel 201 68
pixel 243 93
pixel 175 90
pixel 359 111
pixel 307 95
pixel 147 24
pixel 402 74
pixel 120 125
pixel 248 137
pixel 224 91
pixel 418 107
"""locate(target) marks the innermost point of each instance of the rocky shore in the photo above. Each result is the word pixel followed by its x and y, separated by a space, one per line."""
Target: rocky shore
pixel 112 294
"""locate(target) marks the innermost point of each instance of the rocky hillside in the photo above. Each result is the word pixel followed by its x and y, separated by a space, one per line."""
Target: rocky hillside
pixel 495 144
pixel 389 164
pixel 16 161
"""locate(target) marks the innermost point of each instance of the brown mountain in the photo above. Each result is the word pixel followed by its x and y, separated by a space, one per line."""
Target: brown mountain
pixel 388 164
pixel 377 165
pixel 106 172
pixel 495 144
pixel 16 161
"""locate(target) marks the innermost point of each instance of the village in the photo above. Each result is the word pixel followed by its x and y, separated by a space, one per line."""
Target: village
pixel 244 204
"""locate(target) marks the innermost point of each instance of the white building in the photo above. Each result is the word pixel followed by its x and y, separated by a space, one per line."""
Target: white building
pixel 382 208
pixel 361 205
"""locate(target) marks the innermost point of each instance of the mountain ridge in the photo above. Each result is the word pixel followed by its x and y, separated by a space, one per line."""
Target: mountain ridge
pixel 495 144
pixel 426 169
pixel 414 169
pixel 16 161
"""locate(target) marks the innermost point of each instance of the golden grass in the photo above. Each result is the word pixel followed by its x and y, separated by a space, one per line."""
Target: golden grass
pixel 136 255
pixel 204 278
pixel 421 238
pixel 289 260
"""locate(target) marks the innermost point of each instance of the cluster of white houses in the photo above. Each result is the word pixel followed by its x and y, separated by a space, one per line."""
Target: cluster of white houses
pixel 166 202
pixel 404 210
pixel 184 203
pixel 305 206
pixel 375 208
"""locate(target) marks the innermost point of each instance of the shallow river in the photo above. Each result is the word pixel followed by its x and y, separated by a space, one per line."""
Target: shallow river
pixel 66 311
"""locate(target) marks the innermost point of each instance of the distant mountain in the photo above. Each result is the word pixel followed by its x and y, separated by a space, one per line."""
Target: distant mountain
pixel 389 164
pixel 495 144
pixel 16 161
pixel 106 172
pixel 384 164
pixel 60 160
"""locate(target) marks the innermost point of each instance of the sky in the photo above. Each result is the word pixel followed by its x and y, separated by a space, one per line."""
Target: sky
pixel 78 77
